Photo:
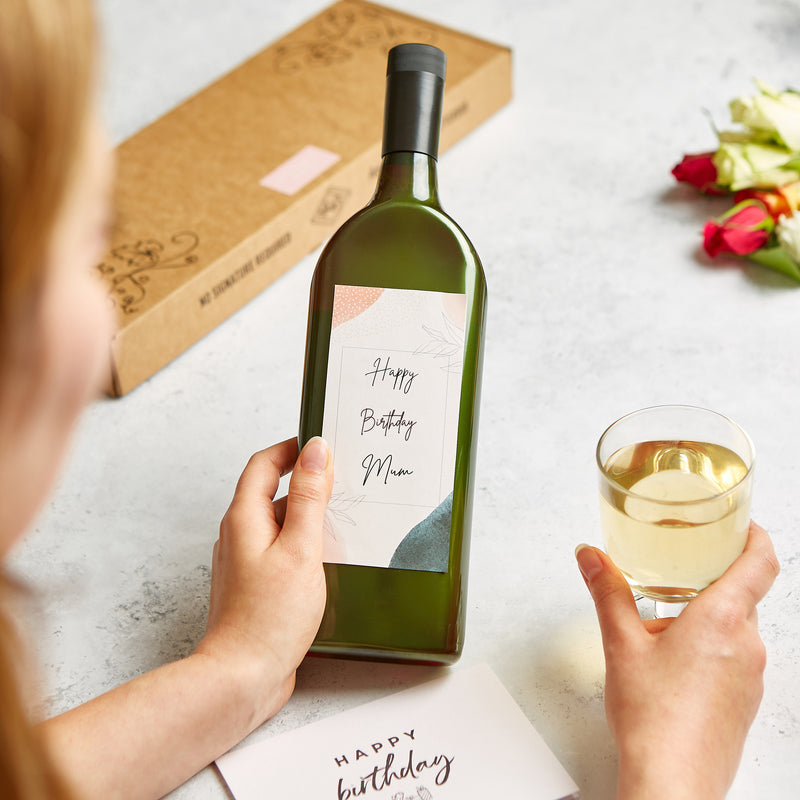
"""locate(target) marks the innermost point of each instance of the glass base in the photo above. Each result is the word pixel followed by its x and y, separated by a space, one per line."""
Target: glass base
pixel 662 594
pixel 658 609
pixel 667 601
pixel 667 610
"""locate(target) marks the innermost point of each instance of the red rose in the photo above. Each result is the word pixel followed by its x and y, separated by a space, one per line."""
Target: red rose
pixel 699 171
pixel 741 231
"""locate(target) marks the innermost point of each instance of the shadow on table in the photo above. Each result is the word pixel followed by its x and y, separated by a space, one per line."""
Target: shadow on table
pixel 562 695
pixel 346 683
pixel 328 686
pixel 698 209
pixel 695 207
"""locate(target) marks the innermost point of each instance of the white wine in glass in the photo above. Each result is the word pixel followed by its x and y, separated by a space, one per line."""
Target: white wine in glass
pixel 675 488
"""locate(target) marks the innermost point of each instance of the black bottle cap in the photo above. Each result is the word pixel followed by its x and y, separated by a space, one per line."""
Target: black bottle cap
pixel 415 76
pixel 417 58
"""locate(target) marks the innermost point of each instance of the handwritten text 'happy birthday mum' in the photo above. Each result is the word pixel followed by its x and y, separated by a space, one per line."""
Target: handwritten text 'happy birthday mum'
pixel 392 422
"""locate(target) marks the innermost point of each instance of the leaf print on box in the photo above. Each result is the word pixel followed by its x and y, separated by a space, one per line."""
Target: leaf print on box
pixel 344 30
pixel 129 267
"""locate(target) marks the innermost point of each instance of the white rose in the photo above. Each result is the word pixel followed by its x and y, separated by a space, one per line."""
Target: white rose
pixel 743 164
pixel 774 113
pixel 788 232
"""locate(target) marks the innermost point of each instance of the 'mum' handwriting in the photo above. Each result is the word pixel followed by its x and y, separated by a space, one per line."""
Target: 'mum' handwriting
pixel 375 467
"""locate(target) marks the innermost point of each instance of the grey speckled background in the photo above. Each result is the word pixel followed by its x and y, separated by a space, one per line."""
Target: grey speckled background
pixel 599 303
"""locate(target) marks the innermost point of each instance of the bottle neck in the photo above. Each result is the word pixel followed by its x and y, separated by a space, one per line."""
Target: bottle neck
pixel 408 176
pixel 412 115
pixel 412 119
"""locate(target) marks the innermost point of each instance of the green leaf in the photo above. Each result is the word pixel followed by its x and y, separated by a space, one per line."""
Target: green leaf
pixel 793 163
pixel 778 259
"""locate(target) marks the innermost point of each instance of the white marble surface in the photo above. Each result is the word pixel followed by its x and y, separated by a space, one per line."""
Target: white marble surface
pixel 600 303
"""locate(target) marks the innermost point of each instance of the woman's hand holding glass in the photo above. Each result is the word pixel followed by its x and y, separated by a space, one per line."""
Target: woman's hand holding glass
pixel 681 693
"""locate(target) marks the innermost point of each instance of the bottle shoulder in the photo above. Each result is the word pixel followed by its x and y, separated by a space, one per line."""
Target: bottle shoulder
pixel 402 226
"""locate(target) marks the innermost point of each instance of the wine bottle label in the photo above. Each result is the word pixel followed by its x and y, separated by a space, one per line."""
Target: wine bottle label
pixel 391 417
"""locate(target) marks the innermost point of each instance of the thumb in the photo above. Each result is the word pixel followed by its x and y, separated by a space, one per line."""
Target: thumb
pixel 613 600
pixel 309 492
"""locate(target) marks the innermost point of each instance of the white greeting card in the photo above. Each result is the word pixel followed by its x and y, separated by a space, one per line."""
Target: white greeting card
pixel 454 738
pixel 392 398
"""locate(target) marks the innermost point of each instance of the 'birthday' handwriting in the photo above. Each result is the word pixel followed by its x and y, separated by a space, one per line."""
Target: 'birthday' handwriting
pixel 382 776
pixel 390 422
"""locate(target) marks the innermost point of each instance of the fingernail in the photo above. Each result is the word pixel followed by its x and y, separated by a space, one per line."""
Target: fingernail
pixel 315 455
pixel 589 561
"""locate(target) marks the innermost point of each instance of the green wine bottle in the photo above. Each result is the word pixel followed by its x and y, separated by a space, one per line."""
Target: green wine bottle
pixel 392 381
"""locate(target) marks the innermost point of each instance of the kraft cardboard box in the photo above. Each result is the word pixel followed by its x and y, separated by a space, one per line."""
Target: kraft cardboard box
pixel 223 194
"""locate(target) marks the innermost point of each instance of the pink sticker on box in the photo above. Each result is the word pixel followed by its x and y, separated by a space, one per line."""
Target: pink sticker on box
pixel 299 170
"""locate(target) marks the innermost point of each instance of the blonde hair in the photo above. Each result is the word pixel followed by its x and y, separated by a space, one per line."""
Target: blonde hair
pixel 47 64
pixel 47 71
